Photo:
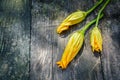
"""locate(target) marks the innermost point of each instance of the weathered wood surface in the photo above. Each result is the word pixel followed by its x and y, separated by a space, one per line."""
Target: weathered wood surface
pixel 14 39
pixel 29 44
pixel 47 46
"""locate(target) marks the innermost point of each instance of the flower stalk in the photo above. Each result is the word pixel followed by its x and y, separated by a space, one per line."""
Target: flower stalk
pixel 90 23
pixel 96 36
pixel 100 11
pixel 96 5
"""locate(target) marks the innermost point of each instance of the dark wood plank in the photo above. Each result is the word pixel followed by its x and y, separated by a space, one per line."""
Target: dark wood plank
pixel 41 45
pixel 47 46
pixel 14 39
pixel 111 49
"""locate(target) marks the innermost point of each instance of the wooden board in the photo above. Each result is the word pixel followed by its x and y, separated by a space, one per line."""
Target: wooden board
pixel 30 46
pixel 48 46
pixel 14 39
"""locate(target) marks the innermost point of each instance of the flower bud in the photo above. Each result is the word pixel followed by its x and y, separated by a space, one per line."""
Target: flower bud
pixel 72 19
pixel 96 40
pixel 74 45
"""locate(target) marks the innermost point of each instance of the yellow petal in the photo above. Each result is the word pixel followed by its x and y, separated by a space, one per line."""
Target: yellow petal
pixel 72 19
pixel 72 48
pixel 96 40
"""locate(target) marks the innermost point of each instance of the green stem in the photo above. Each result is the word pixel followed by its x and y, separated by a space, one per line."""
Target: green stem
pixel 89 24
pixel 100 11
pixel 96 5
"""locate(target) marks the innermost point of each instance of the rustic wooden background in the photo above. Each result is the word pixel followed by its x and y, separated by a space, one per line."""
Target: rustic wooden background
pixel 30 47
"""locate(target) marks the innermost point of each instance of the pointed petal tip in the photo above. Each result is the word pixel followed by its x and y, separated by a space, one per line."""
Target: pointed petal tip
pixel 60 65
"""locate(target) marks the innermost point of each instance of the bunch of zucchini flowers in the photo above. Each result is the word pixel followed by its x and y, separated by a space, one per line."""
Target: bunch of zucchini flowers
pixel 77 38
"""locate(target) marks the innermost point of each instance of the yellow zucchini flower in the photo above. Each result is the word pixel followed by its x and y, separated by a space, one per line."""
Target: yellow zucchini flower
pixel 72 19
pixel 96 37
pixel 74 44
pixel 75 18
pixel 96 40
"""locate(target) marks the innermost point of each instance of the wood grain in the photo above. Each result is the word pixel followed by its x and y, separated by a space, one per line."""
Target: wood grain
pixel 14 39
pixel 30 46
pixel 48 46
